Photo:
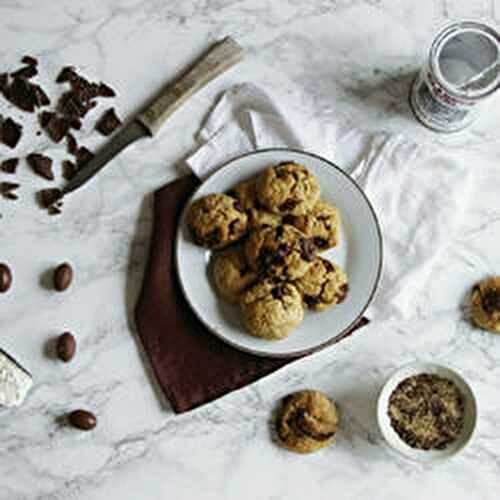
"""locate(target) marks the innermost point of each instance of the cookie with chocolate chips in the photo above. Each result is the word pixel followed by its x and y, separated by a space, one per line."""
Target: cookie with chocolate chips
pixel 322 224
pixel 283 252
pixel 323 285
pixel 231 273
pixel 307 421
pixel 287 188
pixel 271 310
pixel 216 220
pixel 485 302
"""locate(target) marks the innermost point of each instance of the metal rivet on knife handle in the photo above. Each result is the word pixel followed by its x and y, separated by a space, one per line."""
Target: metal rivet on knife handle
pixel 222 56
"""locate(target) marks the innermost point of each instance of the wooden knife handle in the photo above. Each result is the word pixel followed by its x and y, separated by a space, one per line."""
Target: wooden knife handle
pixel 219 58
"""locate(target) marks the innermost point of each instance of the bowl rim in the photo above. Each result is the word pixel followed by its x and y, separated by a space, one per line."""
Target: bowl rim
pixel 392 438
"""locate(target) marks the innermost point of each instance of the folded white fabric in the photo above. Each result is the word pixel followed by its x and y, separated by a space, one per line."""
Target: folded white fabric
pixel 419 193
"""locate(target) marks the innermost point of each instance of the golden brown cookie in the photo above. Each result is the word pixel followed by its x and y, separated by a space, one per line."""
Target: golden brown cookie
pixel 323 285
pixel 272 310
pixel 486 304
pixel 307 421
pixel 216 220
pixel 288 188
pixel 245 193
pixel 283 252
pixel 322 224
pixel 231 273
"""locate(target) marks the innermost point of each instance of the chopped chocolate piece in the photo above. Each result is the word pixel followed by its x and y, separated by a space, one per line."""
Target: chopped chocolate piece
pixel 10 132
pixel 42 165
pixel 109 122
pixel 53 210
pixel 29 60
pixel 57 128
pixel 68 169
pixel 7 190
pixel 70 105
pixel 71 144
pixel 288 205
pixel 83 156
pixel 4 81
pixel 9 166
pixel 491 301
pixel 311 300
pixel 26 72
pixel 75 122
pixel 105 90
pixel 308 249
pixel 21 93
pixel 49 197
pixel 42 99
pixel 278 292
pixel 320 242
pixel 67 74
pixel 44 118
pixel 11 196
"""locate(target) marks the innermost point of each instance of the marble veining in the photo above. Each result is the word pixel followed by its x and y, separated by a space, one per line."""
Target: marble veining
pixel 336 59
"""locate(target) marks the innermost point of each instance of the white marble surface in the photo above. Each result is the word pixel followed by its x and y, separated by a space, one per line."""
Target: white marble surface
pixel 347 58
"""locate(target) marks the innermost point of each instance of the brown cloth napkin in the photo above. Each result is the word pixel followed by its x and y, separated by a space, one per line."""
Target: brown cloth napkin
pixel 192 365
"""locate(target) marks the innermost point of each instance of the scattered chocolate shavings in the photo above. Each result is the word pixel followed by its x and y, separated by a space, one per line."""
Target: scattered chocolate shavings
pixel 29 60
pixel 44 118
pixel 69 169
pixel 49 197
pixel 9 166
pixel 10 132
pixel 83 156
pixel 25 72
pixel 72 145
pixel 108 122
pixel 67 74
pixel 42 165
pixel 57 128
pixel 105 90
pixel 7 190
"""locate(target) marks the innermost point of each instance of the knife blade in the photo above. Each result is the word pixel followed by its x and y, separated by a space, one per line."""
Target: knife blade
pixel 219 58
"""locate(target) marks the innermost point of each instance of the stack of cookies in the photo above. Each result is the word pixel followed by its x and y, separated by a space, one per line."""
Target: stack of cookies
pixel 267 233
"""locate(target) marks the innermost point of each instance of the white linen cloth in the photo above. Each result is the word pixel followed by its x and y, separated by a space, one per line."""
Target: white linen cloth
pixel 418 192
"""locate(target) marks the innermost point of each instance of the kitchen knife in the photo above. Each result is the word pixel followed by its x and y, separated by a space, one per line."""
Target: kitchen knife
pixel 219 58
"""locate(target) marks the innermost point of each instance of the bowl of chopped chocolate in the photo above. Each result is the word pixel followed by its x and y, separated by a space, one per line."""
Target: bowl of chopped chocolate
pixel 427 412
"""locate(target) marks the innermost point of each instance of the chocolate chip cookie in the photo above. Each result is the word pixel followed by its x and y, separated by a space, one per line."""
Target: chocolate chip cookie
pixel 287 188
pixel 231 273
pixel 322 224
pixel 272 310
pixel 216 220
pixel 246 194
pixel 323 285
pixel 283 252
pixel 485 301
pixel 307 421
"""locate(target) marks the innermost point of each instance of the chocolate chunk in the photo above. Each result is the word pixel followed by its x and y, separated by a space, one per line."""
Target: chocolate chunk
pixel 53 210
pixel 83 156
pixel 212 238
pixel 234 226
pixel 42 165
pixel 237 206
pixel 108 122
pixel 328 266
pixel 491 301
pixel 42 99
pixel 105 90
pixel 44 118
pixel 75 122
pixel 72 145
pixel 49 197
pixel 278 292
pixel 279 232
pixel 11 196
pixel 22 94
pixel 290 219
pixel 10 132
pixel 67 74
pixel 82 419
pixel 9 166
pixel 311 300
pixel 288 205
pixel 7 190
pixel 5 277
pixel 320 242
pixel 308 249
pixel 4 82
pixel 25 72
pixel 68 169
pixel 57 128
pixel 71 106
pixel 29 60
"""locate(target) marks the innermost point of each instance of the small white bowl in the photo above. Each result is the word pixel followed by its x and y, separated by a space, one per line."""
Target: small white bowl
pixel 390 435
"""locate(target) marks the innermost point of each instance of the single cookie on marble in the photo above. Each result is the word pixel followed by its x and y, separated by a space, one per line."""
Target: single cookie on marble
pixel 322 224
pixel 232 275
pixel 307 421
pixel 283 252
pixel 485 301
pixel 288 188
pixel 271 310
pixel 216 220
pixel 323 285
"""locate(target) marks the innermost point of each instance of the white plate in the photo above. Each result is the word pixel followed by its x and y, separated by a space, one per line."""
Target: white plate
pixel 390 435
pixel 359 253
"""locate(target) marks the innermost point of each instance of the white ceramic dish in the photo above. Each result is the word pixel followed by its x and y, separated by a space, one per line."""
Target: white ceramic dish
pixel 359 253
pixel 390 435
